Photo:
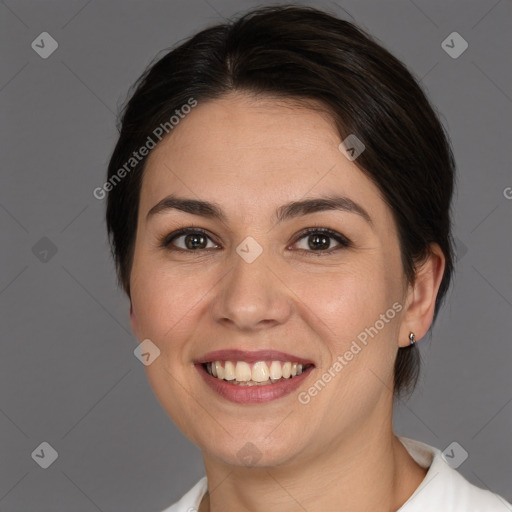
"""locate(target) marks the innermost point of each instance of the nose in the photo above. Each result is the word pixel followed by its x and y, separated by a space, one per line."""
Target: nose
pixel 252 296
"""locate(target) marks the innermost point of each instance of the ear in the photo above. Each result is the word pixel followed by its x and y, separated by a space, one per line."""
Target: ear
pixel 421 297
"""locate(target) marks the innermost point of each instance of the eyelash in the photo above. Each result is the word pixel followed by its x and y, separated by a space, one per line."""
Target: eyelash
pixel 165 241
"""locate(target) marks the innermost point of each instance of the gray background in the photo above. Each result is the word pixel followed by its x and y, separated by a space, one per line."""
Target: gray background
pixel 68 375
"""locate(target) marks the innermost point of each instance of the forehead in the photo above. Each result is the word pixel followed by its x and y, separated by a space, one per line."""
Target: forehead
pixel 239 149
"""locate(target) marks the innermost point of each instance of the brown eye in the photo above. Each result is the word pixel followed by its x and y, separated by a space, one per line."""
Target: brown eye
pixel 195 241
pixel 320 240
pixel 187 240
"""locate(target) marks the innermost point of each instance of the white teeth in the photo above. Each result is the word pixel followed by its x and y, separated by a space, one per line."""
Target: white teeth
pixel 242 372
pixel 219 370
pixel 275 370
pixel 287 370
pixel 229 371
pixel 260 372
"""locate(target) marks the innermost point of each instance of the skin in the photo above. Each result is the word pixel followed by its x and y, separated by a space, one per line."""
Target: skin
pixel 250 156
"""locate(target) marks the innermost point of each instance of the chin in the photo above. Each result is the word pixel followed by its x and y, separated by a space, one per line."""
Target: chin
pixel 259 452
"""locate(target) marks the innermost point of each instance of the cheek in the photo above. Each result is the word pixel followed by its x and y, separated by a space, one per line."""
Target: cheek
pixel 347 300
pixel 358 346
pixel 164 300
pixel 357 319
pixel 172 304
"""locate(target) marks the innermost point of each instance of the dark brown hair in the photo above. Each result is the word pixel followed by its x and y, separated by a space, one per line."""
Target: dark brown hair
pixel 301 53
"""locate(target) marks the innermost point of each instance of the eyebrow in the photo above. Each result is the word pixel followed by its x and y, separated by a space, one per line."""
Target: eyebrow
pixel 285 212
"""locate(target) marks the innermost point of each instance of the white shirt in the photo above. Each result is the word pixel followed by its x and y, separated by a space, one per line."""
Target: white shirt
pixel 442 490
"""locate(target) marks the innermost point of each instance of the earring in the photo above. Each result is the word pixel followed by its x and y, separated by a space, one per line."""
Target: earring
pixel 412 338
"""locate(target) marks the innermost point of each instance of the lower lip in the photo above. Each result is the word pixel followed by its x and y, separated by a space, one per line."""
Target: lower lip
pixel 252 394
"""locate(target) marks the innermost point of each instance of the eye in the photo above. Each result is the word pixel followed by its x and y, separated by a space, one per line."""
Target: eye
pixel 193 239
pixel 319 240
pixel 316 240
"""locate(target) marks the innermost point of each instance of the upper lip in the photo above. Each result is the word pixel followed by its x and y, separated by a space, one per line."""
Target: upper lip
pixel 250 357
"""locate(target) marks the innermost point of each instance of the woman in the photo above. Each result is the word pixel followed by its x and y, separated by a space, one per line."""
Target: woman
pixel 279 212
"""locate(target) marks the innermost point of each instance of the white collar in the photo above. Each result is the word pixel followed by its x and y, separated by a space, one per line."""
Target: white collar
pixel 444 488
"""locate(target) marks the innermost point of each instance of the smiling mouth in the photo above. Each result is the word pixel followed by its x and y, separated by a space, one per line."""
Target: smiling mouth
pixel 260 373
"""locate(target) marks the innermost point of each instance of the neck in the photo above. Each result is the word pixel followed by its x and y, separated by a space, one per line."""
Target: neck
pixel 369 471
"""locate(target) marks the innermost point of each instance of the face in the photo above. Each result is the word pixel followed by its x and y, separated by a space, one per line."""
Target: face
pixel 262 285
